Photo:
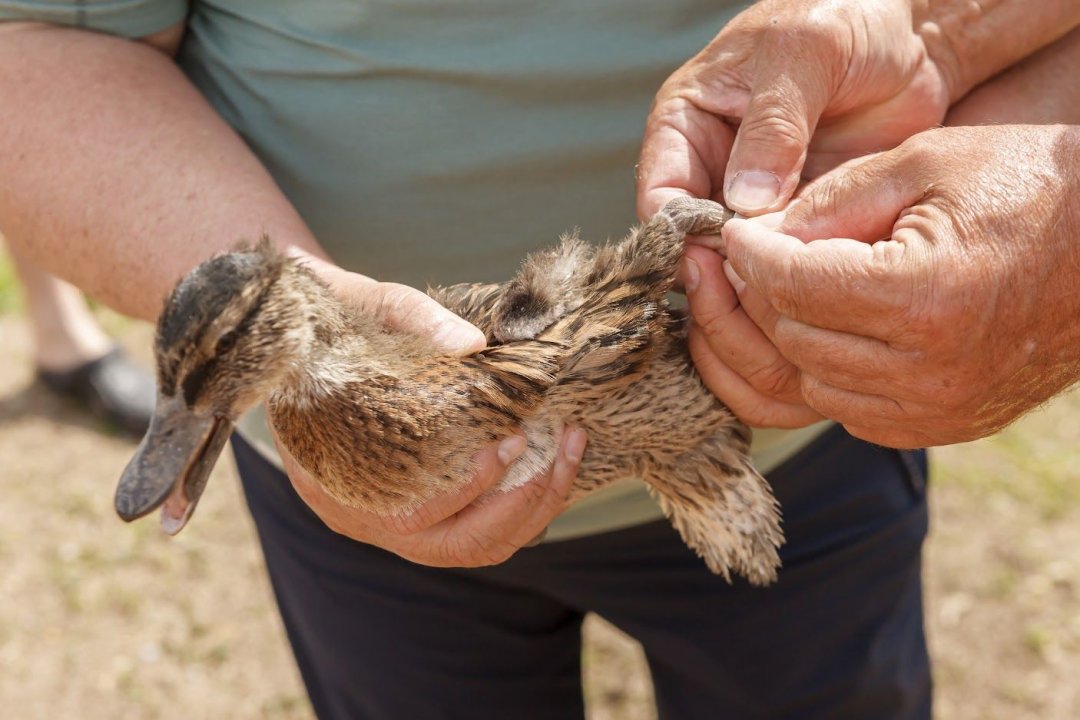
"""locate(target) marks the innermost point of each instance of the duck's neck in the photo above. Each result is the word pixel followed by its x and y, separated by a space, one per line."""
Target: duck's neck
pixel 327 340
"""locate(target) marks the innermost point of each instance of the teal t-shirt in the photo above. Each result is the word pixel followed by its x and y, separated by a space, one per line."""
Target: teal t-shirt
pixel 438 141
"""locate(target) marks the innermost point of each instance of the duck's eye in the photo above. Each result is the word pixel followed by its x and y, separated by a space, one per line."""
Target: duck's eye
pixel 226 342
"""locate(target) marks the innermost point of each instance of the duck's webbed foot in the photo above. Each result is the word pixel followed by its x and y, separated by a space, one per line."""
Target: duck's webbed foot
pixel 723 509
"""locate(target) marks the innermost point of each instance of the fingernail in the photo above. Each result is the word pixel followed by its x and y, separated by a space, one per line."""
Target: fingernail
pixel 691 274
pixel 574 447
pixel 457 337
pixel 511 448
pixel 752 190
pixel 733 277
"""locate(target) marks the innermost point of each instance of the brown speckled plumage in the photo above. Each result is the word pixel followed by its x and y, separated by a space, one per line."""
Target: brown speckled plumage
pixel 580 335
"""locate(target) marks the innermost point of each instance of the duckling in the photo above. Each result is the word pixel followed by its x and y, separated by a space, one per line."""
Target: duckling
pixel 687 446
pixel 385 422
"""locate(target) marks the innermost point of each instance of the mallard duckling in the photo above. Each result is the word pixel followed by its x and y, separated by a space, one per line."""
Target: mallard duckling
pixel 385 422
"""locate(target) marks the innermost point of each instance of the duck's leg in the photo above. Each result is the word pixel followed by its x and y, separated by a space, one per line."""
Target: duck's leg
pixel 693 216
pixel 723 509
pixel 649 256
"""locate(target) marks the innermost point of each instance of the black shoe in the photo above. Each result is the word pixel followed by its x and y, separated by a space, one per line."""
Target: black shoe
pixel 113 387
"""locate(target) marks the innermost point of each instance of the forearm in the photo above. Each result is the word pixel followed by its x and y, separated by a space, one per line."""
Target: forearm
pixel 1041 89
pixel 972 41
pixel 117 175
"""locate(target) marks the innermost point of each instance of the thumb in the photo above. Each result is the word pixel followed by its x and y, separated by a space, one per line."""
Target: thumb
pixel 788 96
pixel 860 200
pixel 406 309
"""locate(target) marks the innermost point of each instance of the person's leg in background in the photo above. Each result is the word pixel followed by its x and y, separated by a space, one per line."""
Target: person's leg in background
pixel 74 357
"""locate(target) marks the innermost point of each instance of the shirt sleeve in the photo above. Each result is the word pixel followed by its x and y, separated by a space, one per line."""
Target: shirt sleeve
pixel 127 18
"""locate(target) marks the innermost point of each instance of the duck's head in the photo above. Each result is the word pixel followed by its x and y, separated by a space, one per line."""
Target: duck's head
pixel 230 330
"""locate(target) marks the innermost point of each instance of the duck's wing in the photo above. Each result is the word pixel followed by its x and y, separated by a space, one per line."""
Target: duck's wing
pixel 472 301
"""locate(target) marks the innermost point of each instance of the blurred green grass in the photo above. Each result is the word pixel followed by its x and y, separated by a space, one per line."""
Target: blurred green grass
pixel 10 295
pixel 1035 462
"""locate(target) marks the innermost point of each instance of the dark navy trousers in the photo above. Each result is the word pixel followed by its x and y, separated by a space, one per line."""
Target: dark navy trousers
pixel 839 637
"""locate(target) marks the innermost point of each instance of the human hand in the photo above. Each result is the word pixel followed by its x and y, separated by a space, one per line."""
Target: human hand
pixel 400 308
pixel 457 530
pixel 788 88
pixel 960 320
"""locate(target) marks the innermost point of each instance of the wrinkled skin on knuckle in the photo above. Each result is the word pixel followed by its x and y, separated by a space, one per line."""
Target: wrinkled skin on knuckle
pixel 912 313
pixel 788 291
pixel 839 406
pixel 776 123
pixel 919 158
pixel 410 523
pixel 476 549
pixel 929 383
pixel 755 413
pixel 827 199
pixel 774 379
pixel 805 27
pixel 926 312
pixel 712 325
pixel 537 491
pixel 818 398
pixel 714 81
pixel 396 303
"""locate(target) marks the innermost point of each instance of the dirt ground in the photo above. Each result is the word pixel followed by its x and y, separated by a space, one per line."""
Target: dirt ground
pixel 103 620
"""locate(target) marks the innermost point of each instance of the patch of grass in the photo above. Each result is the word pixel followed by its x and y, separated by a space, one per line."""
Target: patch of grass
pixel 286 706
pixel 1037 641
pixel 1003 583
pixel 122 601
pixel 1033 462
pixel 111 322
pixel 1016 692
pixel 10 294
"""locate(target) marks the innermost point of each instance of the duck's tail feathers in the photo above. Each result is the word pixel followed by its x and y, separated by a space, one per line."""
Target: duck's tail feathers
pixel 723 508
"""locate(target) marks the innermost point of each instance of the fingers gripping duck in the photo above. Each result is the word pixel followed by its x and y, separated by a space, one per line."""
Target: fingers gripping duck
pixel 383 422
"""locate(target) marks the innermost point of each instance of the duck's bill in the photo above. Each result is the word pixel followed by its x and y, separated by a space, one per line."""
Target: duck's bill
pixel 171 464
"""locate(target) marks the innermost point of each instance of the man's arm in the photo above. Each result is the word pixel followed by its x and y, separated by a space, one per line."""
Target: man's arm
pixel 1041 89
pixel 120 177
pixel 973 41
